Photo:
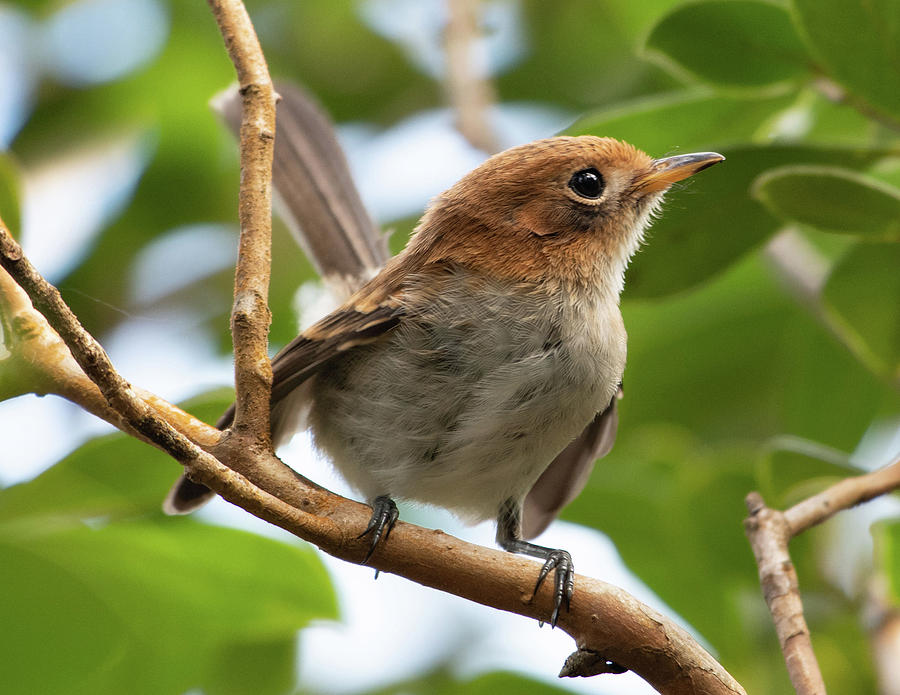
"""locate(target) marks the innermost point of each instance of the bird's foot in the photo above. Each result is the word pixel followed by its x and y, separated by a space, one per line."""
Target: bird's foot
pixel 384 516
pixel 564 580
pixel 560 561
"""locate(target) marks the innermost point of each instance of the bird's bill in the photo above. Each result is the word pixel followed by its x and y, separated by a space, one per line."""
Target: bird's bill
pixel 664 172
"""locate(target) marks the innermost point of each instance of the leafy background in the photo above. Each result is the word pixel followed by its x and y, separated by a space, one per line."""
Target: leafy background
pixel 736 380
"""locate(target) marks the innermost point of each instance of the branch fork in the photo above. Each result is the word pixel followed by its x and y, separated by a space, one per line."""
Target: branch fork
pixel 609 626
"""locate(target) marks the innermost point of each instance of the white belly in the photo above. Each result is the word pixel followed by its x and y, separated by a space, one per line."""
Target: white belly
pixel 465 409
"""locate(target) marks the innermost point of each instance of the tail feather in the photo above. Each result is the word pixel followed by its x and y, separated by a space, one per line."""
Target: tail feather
pixel 314 191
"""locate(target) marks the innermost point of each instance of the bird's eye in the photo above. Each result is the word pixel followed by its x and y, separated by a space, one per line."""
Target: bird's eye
pixel 587 183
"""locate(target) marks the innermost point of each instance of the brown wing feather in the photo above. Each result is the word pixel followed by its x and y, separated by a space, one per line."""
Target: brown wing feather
pixel 568 473
pixel 336 333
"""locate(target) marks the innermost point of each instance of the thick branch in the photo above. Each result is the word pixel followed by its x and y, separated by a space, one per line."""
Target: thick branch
pixel 603 619
pixel 250 315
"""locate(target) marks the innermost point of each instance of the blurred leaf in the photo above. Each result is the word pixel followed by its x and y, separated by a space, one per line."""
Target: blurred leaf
pixel 263 666
pixel 114 476
pixel 737 360
pixel 332 49
pixel 858 44
pixel 793 469
pixel 887 551
pixel 10 194
pixel 832 199
pixel 711 221
pixel 682 121
pixel 863 293
pixel 145 607
pixel 442 681
pixel 733 43
pixel 192 177
pixel 577 54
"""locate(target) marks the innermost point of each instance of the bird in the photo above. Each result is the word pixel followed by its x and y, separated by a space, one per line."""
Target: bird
pixel 479 369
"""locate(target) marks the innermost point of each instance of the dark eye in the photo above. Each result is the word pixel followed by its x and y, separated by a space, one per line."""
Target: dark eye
pixel 587 183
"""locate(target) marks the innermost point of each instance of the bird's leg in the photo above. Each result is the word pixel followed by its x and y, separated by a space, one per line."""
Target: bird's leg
pixel 384 516
pixel 509 537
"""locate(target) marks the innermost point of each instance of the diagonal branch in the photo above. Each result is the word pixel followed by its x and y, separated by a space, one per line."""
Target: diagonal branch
pixel 604 621
pixel 842 495
pixel 250 316
pixel 770 531
pixel 92 359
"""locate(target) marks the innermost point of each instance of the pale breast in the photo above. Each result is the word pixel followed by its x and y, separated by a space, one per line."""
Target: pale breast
pixel 464 405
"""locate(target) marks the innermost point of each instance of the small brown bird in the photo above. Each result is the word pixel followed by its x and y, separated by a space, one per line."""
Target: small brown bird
pixel 478 371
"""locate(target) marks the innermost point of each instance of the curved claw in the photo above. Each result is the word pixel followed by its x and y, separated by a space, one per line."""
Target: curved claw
pixel 384 516
pixel 564 580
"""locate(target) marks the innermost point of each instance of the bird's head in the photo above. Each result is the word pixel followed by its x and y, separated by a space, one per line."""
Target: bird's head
pixel 566 208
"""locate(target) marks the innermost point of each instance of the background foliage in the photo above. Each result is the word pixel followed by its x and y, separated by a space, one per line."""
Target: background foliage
pixel 734 383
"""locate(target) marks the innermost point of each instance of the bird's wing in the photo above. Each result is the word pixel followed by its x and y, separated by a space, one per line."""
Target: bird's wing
pixel 568 473
pixel 368 315
pixel 339 331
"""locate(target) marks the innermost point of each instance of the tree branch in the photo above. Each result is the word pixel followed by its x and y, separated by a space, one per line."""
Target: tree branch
pixel 250 316
pixel 91 357
pixel 769 534
pixel 770 531
pixel 469 90
pixel 604 620
pixel 842 495
pixel 836 93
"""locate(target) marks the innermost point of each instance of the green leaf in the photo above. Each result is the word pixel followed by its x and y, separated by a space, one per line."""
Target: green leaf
pixel 863 294
pixel 738 360
pixel 114 476
pixel 858 44
pixel 887 552
pixel 146 607
pixel 712 220
pixel 683 121
pixel 579 53
pixel 731 43
pixel 10 194
pixel 832 199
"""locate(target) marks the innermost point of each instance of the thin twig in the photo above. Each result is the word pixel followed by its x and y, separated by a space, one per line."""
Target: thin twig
pixel 469 90
pixel 250 317
pixel 842 495
pixel 91 357
pixel 770 531
pixel 834 92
